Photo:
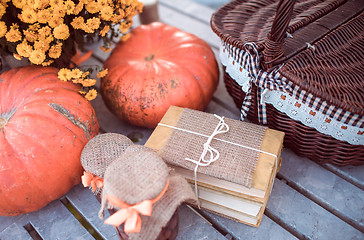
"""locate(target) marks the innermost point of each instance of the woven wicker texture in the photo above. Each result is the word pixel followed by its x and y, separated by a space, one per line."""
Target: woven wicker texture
pixel 332 71
pixel 235 163
pixel 101 150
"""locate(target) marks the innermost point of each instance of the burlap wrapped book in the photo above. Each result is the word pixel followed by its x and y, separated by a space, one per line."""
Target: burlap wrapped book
pixel 146 195
pixel 234 161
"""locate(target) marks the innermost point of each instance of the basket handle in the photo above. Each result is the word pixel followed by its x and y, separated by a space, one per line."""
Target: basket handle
pixel 273 44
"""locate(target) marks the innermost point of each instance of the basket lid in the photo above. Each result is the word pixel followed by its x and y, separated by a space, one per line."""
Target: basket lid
pixel 333 67
pixel 333 72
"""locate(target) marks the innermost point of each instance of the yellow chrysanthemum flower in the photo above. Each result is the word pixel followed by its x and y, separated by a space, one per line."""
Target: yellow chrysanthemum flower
pixel 76 73
pixel 30 3
pixel 102 73
pixel 2 10
pixel 55 21
pixel 55 51
pixel 24 49
pixel 13 35
pixel 43 46
pixel 69 6
pixel 104 3
pixel 18 3
pixel 63 74
pixel 3 29
pixel 87 28
pixel 55 3
pixel 44 32
pixel 89 82
pixel 124 26
pixel 61 32
pixel 93 23
pixel 59 11
pixel 28 15
pixel 92 7
pixel 82 91
pixel 37 57
pixel 44 15
pixel 78 8
pixel 78 23
pixel 47 63
pixel 30 36
pixel 104 31
pixel 77 80
pixel 34 27
pixel 17 56
pixel 91 95
pixel 40 4
pixel 106 13
pixel 85 74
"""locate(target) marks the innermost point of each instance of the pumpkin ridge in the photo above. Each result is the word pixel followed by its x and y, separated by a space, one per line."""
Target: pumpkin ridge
pixel 38 115
pixel 70 117
pixel 5 197
pixel 46 197
pixel 37 95
pixel 25 84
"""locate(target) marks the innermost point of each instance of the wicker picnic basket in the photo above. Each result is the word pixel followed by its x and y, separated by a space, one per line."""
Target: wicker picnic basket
pixel 298 66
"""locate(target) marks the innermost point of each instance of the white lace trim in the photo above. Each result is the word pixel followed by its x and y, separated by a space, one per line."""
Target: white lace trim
pixel 295 109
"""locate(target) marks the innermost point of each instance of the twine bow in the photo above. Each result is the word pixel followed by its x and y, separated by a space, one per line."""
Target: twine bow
pixel 90 179
pixel 130 214
pixel 221 127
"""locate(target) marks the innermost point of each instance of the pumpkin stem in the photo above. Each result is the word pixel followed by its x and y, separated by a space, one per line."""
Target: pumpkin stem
pixel 3 122
pixel 149 57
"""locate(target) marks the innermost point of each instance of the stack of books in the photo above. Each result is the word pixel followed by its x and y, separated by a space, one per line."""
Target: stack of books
pixel 223 197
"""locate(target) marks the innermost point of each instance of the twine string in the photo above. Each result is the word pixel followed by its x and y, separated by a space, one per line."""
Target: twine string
pixel 213 153
pixel 221 127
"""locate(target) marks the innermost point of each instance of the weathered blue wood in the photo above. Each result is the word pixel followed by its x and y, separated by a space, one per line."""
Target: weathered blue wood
pixel 191 226
pixel 268 229
pixel 326 188
pixel 190 9
pixel 199 28
pixel 55 222
pixel 306 217
pixel 86 203
pixel 14 231
pixel 353 174
pixel 7 221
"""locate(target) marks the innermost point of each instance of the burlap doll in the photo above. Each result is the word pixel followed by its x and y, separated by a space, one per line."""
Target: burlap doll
pixel 144 192
pixel 98 154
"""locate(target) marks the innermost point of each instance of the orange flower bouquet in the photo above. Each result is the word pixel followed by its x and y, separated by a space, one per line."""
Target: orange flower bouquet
pixel 47 32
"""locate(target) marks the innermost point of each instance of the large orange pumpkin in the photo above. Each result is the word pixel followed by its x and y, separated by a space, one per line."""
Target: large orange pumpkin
pixel 158 66
pixel 44 124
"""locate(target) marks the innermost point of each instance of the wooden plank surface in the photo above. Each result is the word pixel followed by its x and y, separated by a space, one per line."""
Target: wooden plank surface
pixel 86 203
pixel 330 191
pixel 308 200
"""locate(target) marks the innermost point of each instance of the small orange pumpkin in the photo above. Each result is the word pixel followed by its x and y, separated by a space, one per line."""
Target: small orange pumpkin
pixel 44 125
pixel 158 66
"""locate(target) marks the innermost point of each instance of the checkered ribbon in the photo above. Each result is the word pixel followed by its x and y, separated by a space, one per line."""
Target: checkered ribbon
pixel 249 59
pixel 263 80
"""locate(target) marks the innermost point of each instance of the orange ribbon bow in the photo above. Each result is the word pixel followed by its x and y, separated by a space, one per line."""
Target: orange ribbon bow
pixel 90 179
pixel 130 213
